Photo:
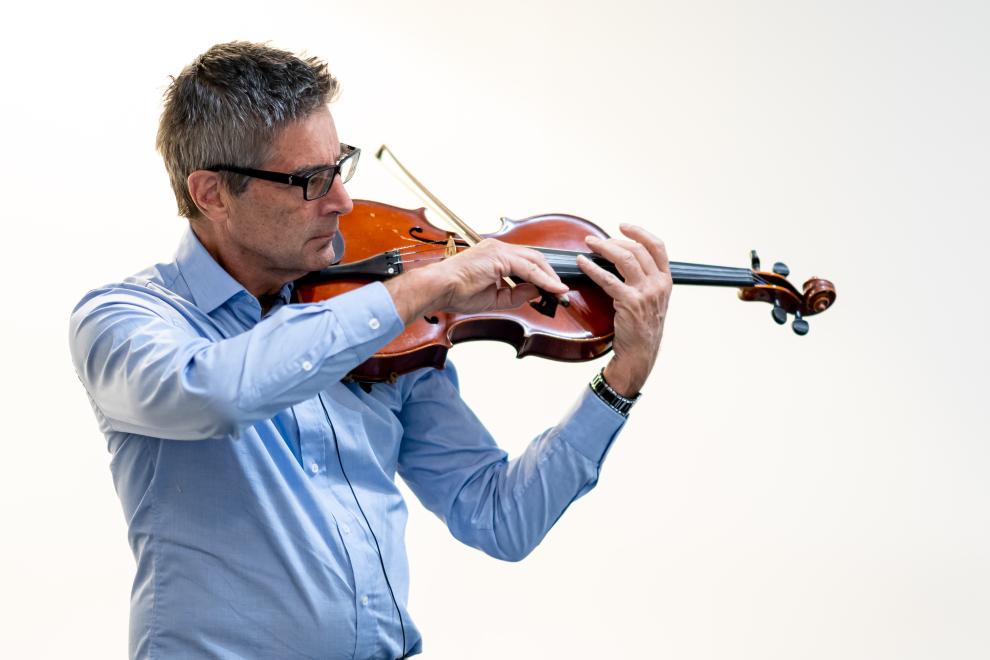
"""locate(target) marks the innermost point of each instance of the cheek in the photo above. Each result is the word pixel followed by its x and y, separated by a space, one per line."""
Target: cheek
pixel 258 218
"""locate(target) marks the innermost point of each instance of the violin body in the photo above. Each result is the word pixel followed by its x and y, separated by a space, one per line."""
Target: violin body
pixel 581 330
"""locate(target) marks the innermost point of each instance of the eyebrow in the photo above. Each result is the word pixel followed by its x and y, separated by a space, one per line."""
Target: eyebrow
pixel 306 169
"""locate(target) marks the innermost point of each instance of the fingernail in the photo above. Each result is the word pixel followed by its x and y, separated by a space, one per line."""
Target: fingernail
pixel 589 239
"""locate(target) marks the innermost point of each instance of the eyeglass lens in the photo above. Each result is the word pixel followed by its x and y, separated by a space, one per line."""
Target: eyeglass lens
pixel 319 184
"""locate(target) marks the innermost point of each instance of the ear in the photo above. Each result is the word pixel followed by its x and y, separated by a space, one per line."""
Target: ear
pixel 206 191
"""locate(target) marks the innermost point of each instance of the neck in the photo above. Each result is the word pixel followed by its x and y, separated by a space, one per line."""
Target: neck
pixel 261 283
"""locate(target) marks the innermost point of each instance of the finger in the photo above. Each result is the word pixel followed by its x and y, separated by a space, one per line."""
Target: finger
pixel 643 255
pixel 654 245
pixel 540 260
pixel 539 274
pixel 609 283
pixel 623 258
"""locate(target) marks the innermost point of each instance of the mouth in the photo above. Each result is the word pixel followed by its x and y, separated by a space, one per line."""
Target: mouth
pixel 328 233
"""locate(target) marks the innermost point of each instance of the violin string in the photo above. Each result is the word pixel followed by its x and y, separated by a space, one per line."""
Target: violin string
pixel 422 259
pixel 684 266
pixel 565 261
pixel 680 268
pixel 717 273
pixel 569 256
pixel 569 264
pixel 409 249
pixel 727 276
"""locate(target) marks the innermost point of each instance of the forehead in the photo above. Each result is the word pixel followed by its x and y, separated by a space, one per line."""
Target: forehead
pixel 310 141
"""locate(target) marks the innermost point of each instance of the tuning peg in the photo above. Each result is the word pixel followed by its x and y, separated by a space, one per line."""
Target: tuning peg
pixel 781 269
pixel 754 259
pixel 800 326
pixel 778 313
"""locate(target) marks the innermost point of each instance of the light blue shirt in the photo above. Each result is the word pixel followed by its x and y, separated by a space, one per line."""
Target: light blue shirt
pixel 248 540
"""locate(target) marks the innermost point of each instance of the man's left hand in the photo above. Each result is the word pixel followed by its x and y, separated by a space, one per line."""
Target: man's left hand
pixel 640 302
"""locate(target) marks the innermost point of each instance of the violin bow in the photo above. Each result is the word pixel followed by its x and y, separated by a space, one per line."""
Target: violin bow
pixel 816 295
pixel 469 235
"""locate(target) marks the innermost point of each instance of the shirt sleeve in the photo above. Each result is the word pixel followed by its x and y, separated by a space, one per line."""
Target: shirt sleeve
pixel 502 507
pixel 150 372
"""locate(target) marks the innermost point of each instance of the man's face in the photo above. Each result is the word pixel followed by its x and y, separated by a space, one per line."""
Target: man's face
pixel 270 226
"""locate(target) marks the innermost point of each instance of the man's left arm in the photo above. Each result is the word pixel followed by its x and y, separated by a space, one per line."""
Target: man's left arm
pixel 502 507
pixel 506 507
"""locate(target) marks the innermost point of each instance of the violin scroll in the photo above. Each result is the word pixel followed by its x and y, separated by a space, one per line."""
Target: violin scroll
pixel 819 294
pixel 773 287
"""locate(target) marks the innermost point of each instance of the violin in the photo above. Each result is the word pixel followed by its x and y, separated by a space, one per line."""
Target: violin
pixel 386 241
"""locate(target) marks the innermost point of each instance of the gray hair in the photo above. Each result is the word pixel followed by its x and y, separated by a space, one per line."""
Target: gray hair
pixel 228 107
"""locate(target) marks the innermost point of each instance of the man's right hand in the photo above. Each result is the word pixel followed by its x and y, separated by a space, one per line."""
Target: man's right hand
pixel 471 281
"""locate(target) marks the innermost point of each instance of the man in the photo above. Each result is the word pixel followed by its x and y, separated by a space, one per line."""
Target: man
pixel 257 485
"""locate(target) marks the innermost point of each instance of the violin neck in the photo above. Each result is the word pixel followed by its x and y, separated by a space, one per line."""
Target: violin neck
pixel 564 263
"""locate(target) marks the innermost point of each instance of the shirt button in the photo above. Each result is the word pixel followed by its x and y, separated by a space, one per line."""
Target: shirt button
pixel 364 600
pixel 345 529
pixel 314 468
pixel 307 366
pixel 373 323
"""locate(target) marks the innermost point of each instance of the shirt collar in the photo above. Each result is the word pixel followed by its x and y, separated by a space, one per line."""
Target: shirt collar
pixel 209 284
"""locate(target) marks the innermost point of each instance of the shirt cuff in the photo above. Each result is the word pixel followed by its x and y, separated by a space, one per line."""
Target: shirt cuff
pixel 367 317
pixel 591 426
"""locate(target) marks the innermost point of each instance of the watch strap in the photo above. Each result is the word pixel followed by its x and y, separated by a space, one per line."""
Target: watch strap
pixel 609 396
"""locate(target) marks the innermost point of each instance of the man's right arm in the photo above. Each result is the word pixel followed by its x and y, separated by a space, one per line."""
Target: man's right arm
pixel 473 281
pixel 152 374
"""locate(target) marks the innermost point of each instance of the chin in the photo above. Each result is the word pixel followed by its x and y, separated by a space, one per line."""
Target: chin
pixel 321 259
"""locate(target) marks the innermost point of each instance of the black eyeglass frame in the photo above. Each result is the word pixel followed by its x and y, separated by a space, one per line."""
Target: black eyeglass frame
pixel 302 180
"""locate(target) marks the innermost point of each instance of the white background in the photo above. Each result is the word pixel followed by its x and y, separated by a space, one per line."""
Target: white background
pixel 772 497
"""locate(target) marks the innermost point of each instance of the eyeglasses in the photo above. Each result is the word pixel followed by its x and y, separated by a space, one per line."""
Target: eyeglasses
pixel 315 184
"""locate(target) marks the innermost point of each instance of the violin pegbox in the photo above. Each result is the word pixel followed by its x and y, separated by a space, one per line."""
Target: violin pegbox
pixel 773 287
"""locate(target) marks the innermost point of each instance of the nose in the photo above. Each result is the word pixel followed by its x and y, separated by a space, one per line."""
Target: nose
pixel 336 200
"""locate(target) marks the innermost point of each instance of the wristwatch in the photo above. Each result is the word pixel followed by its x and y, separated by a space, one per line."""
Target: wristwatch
pixel 610 397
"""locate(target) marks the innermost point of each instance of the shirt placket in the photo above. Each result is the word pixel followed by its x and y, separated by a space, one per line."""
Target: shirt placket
pixel 319 459
pixel 312 446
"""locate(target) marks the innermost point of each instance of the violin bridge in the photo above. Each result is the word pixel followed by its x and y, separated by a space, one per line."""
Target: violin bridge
pixel 451 248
